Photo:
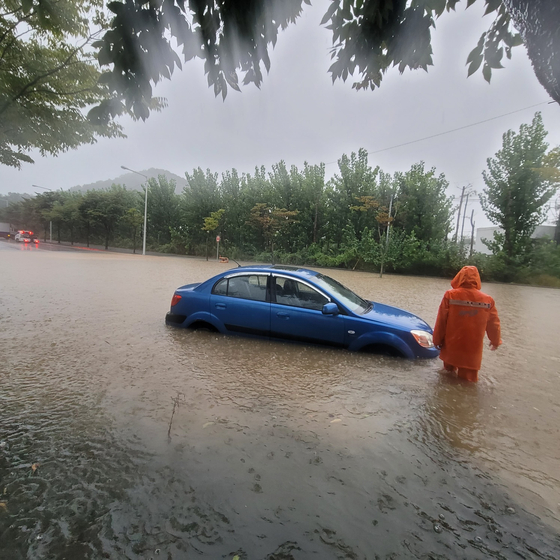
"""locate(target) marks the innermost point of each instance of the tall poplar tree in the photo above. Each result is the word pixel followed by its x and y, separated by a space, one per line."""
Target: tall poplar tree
pixel 521 178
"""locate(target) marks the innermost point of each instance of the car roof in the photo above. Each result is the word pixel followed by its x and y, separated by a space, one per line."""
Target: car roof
pixel 296 270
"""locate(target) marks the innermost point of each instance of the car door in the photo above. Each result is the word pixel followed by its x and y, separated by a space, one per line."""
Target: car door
pixel 296 314
pixel 240 302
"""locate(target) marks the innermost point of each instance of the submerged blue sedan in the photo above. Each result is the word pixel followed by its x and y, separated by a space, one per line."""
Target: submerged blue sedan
pixel 298 304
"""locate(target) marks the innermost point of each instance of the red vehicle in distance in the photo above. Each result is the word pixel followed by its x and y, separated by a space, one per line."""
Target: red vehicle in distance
pixel 23 236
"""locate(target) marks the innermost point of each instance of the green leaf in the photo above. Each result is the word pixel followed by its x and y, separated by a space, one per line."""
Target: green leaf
pixel 492 6
pixel 493 55
pixel 438 6
pixel 116 7
pixel 474 65
pixel 26 6
pixel 105 78
pixel 476 52
pixel 329 13
pixel 487 72
pixel 104 56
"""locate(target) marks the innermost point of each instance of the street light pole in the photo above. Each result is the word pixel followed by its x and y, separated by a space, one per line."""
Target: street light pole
pixel 50 221
pixel 145 206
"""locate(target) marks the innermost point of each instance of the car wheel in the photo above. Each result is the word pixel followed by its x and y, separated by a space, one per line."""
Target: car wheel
pixel 205 327
pixel 383 350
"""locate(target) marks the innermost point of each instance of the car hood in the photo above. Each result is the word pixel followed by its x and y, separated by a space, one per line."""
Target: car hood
pixel 396 317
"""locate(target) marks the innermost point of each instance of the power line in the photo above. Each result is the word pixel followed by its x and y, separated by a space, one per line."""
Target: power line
pixel 452 130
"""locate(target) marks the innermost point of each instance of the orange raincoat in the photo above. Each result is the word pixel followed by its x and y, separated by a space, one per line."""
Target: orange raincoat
pixel 464 315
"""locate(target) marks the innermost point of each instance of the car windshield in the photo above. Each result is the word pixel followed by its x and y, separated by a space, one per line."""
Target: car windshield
pixel 344 295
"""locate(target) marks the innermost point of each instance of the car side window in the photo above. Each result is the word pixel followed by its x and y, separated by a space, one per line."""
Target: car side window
pixel 220 289
pixel 251 287
pixel 297 294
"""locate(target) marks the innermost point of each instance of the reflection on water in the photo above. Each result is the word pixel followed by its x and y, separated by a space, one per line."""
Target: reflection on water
pixel 276 450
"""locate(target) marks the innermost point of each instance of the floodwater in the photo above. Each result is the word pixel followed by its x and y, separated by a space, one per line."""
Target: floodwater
pixel 123 438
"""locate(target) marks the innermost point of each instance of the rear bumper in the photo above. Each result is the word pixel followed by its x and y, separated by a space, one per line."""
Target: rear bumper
pixel 175 320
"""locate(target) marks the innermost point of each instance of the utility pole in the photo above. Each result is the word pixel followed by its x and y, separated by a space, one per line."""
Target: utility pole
pixel 464 214
pixel 459 215
pixel 472 233
pixel 387 241
pixel 145 206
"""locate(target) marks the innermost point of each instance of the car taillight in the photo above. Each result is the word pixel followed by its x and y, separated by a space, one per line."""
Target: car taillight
pixel 423 338
pixel 176 299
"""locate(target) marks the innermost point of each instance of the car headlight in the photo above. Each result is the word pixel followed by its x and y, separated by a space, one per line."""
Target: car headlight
pixel 423 338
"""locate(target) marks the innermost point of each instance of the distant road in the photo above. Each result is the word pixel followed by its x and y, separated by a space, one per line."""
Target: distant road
pixel 65 246
pixel 46 246
pixel 7 245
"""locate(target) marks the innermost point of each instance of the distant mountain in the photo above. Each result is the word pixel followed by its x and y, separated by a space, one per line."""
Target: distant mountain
pixel 133 181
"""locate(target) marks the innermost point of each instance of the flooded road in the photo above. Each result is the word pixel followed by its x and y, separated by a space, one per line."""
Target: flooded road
pixel 123 438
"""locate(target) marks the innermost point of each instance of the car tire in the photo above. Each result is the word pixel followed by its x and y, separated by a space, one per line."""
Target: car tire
pixel 202 326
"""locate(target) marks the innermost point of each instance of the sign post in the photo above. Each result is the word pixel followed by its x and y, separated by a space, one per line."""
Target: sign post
pixel 217 247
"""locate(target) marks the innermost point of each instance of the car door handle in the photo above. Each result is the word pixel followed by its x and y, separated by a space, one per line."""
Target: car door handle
pixel 282 315
pixel 221 306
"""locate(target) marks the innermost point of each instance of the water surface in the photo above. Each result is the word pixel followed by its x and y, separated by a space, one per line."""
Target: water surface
pixel 275 450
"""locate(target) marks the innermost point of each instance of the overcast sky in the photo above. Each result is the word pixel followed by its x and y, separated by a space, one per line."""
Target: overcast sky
pixel 298 115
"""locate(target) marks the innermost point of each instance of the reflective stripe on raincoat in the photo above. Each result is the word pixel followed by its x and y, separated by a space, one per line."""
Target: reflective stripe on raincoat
pixel 464 315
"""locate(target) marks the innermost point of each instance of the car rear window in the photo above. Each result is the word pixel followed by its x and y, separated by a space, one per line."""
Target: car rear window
pixel 251 287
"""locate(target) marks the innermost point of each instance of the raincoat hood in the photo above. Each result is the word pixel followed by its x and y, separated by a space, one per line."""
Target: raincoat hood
pixel 467 277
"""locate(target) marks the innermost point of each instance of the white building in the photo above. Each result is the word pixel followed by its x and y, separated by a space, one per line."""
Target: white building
pixel 488 234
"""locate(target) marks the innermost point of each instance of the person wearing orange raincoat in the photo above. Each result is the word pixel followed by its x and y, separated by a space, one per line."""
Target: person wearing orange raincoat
pixel 464 316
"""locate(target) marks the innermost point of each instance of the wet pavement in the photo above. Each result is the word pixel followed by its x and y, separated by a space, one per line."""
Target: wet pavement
pixel 121 437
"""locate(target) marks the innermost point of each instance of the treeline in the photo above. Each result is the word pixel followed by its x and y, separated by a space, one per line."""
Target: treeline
pixel 361 218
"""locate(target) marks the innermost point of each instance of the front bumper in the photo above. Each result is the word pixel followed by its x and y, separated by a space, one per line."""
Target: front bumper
pixel 428 353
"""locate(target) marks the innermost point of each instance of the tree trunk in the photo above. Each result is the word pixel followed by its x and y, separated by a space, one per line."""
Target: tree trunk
pixel 537 22
pixel 315 222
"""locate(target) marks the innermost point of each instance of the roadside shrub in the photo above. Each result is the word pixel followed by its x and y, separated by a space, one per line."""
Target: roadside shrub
pixel 543 280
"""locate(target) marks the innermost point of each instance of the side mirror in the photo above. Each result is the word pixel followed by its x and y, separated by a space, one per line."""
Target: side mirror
pixel 330 309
